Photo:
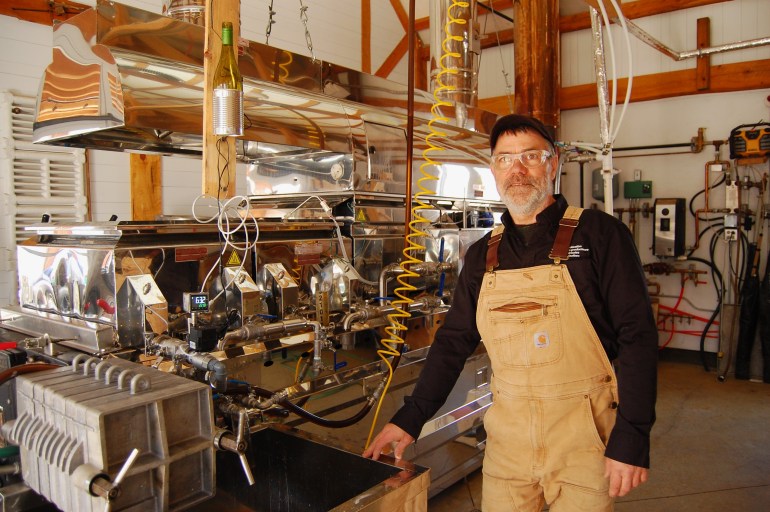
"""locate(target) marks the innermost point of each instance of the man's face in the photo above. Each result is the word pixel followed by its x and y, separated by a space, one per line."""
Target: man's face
pixel 526 191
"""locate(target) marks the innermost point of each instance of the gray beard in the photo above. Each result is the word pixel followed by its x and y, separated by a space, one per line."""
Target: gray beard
pixel 526 206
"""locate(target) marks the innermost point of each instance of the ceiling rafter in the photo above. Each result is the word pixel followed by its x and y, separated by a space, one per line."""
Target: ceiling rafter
pixel 44 12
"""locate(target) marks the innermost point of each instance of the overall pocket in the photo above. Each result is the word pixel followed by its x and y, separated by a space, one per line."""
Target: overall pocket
pixel 524 331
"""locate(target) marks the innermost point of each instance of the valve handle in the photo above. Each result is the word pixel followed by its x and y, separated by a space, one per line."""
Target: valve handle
pixel 115 487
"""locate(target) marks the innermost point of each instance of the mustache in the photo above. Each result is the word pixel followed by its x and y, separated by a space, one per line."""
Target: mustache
pixel 522 180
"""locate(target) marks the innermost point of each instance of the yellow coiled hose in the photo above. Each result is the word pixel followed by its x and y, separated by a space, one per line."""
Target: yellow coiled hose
pixel 392 345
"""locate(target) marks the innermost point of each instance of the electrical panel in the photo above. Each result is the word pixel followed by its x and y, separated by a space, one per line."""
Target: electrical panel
pixel 669 227
pixel 597 185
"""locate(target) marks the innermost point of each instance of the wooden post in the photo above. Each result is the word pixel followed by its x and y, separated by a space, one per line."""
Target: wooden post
pixel 536 60
pixel 366 36
pixel 218 153
pixel 703 67
pixel 146 191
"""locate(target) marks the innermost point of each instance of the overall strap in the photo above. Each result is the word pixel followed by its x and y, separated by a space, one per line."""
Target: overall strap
pixel 492 246
pixel 567 225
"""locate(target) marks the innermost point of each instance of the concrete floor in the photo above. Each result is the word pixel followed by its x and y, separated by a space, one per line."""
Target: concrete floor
pixel 710 449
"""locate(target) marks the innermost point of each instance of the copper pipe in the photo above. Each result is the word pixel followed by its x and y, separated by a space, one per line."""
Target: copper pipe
pixel 409 122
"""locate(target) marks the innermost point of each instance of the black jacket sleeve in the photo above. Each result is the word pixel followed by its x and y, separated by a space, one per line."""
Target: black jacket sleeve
pixel 633 343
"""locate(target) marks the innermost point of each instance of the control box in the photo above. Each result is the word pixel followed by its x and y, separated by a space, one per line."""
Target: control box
pixel 597 185
pixel 637 189
pixel 669 228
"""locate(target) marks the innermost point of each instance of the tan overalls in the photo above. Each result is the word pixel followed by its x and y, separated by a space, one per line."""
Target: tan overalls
pixel 555 393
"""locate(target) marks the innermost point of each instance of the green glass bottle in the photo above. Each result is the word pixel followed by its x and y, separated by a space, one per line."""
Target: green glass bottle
pixel 228 89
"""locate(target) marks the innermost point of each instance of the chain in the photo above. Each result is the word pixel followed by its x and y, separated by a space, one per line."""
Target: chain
pixel 303 18
pixel 270 22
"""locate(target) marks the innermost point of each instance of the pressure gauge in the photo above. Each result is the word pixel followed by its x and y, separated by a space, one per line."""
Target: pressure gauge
pixel 196 302
pixel 336 171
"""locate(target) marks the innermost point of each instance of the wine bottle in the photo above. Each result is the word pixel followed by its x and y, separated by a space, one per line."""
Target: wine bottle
pixel 228 89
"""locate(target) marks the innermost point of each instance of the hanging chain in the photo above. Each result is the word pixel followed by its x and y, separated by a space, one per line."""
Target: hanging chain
pixel 303 17
pixel 270 22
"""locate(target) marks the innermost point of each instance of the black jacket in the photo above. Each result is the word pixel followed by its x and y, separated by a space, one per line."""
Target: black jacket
pixel 608 275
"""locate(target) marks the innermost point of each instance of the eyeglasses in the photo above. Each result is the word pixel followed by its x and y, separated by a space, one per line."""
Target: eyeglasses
pixel 529 159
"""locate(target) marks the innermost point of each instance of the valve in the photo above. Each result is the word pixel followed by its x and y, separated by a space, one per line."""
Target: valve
pixel 226 440
pixel 98 483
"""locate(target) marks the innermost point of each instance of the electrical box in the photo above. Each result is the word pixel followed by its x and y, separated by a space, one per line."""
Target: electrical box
pixel 637 189
pixel 597 185
pixel 669 227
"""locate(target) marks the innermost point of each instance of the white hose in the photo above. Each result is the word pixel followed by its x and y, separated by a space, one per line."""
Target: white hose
pixel 238 206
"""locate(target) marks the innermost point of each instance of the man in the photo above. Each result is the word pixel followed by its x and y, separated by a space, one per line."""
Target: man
pixel 556 293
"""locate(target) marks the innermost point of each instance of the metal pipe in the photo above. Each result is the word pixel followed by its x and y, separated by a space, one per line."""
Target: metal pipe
pixel 646 38
pixel 603 102
pixel 253 331
pixel 410 35
pixel 601 76
pixel 424 268
pixel 386 272
pixel 367 313
pixel 318 344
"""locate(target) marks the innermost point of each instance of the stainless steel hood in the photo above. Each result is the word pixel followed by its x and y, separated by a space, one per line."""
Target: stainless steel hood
pixel 126 79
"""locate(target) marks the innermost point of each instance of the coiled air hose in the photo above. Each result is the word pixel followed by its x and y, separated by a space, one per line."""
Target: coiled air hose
pixel 393 346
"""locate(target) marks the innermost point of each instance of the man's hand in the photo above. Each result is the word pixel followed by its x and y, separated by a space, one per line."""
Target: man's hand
pixel 623 477
pixel 389 434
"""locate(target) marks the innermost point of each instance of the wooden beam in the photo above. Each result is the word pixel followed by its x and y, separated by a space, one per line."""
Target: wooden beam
pixel 146 186
pixel 393 59
pixel 366 36
pixel 44 12
pixel 633 10
pixel 703 69
pixel 401 14
pixel 741 76
pixel 219 159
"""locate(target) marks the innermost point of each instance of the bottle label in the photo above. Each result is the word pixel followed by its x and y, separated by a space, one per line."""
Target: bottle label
pixel 228 112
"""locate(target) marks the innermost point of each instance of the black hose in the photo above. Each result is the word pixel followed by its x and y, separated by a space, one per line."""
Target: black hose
pixel 703 191
pixel 714 271
pixel 700 235
pixel 303 413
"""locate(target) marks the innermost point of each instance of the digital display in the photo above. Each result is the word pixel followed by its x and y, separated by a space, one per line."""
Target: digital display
pixel 196 302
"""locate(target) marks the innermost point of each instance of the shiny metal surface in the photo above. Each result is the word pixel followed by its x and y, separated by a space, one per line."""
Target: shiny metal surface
pixel 125 79
pixel 122 78
pixel 90 337
pixel 129 276
pixel 455 54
